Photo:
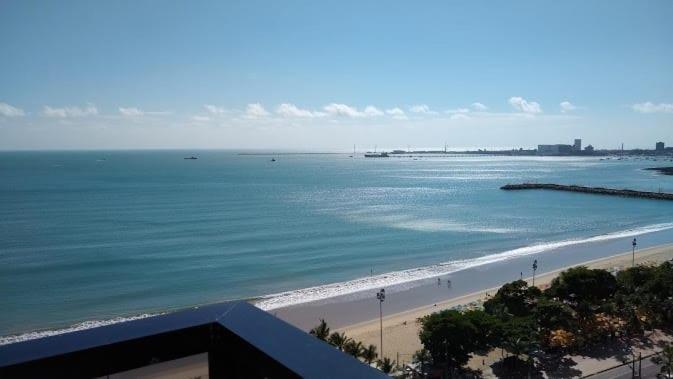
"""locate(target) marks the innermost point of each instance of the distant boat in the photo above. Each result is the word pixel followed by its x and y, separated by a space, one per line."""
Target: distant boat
pixel 376 155
pixel 273 159
pixel 192 157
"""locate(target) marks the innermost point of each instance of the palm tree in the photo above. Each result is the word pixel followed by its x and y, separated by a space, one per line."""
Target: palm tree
pixel 369 354
pixel 386 365
pixel 338 340
pixel 321 331
pixel 665 360
pixel 353 348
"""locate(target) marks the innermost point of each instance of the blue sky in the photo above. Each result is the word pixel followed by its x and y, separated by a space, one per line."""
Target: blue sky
pixel 327 75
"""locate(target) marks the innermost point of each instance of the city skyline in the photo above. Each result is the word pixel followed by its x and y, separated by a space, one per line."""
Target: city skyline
pixel 305 76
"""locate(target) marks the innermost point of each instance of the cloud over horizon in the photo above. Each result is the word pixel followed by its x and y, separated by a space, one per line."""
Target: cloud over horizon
pixel 567 106
pixel 255 110
pixel 525 106
pixel 10 111
pixel 649 107
pixel 65 112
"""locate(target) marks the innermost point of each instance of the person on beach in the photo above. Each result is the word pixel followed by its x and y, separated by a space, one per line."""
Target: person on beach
pixel 439 281
pixel 448 283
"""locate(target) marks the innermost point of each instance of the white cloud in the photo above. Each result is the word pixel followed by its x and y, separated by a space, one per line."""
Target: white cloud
pixel 336 109
pixel 255 110
pixel 342 110
pixel 396 113
pixel 567 106
pixel 213 109
pixel 291 110
pixel 372 111
pixel 525 106
pixel 649 107
pixel 458 110
pixel 65 112
pixel 10 111
pixel 131 112
pixel 459 116
pixel 421 108
pixel 479 106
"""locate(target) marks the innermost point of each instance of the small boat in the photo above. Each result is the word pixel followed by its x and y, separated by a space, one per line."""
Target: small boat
pixel 376 155
pixel 273 159
pixel 192 157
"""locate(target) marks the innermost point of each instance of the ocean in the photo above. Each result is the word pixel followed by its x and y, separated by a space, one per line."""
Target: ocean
pixel 92 236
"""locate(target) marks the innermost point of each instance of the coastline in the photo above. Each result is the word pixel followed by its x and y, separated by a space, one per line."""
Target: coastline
pixel 355 309
pixel 401 329
pixel 360 306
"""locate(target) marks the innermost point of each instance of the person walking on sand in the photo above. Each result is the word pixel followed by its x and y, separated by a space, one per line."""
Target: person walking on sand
pixel 448 283
pixel 439 281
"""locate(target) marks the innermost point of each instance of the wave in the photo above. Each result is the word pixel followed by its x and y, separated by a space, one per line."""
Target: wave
pixel 5 340
pixel 305 295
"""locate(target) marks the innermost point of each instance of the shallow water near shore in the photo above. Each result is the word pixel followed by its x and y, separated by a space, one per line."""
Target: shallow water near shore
pixel 98 235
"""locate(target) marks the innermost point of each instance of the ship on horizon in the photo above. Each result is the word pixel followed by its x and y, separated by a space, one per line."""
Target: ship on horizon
pixel 376 155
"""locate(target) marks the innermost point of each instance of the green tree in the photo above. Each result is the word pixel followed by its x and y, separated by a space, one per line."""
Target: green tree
pixel 580 284
pixel 552 314
pixel 449 336
pixel 648 290
pixel 353 347
pixel 515 299
pixel 386 365
pixel 369 354
pixel 489 329
pixel 519 336
pixel 321 331
pixel 338 340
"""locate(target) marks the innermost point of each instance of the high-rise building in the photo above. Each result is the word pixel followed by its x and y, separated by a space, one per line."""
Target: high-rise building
pixel 578 145
pixel 660 147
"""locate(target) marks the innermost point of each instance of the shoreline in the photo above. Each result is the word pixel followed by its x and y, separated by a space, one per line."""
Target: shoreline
pixel 305 315
pixel 400 330
pixel 277 302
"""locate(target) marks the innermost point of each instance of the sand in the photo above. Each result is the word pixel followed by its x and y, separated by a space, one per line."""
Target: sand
pixel 400 330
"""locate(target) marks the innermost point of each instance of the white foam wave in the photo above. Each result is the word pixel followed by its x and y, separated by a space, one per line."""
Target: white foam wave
pixel 74 328
pixel 305 295
pixel 398 217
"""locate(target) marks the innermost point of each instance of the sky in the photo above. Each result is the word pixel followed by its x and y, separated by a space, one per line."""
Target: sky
pixel 308 75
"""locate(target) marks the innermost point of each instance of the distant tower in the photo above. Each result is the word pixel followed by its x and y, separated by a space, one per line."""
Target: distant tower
pixel 578 145
pixel 660 147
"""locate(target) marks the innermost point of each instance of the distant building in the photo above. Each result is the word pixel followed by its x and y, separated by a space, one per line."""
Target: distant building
pixel 589 149
pixel 578 145
pixel 555 149
pixel 659 147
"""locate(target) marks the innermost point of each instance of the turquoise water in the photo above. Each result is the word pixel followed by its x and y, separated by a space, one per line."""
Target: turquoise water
pixel 95 235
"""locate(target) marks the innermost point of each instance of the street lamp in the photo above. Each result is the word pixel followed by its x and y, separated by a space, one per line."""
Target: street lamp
pixel 381 295
pixel 534 269
pixel 633 259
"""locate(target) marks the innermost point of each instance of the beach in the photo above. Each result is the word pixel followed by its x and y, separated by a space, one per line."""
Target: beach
pixel 400 330
pixel 335 230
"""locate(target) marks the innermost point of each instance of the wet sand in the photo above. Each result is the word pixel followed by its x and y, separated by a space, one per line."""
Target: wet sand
pixel 356 308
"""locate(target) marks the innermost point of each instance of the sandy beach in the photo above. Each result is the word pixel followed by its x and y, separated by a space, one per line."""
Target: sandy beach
pixel 400 330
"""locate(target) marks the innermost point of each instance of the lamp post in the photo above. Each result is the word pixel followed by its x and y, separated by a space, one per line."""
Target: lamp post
pixel 633 257
pixel 381 295
pixel 534 269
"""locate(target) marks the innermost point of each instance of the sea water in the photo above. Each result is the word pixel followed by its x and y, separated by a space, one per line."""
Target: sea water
pixel 110 235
